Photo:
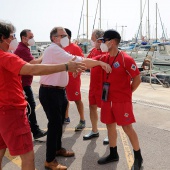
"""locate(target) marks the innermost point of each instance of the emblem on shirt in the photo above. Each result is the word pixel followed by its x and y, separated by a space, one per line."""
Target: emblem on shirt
pixel 76 93
pixel 126 114
pixel 133 67
pixel 116 64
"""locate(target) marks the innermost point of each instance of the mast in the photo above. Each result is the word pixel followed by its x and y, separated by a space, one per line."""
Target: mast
pixel 141 19
pixel 156 23
pixel 163 33
pixel 87 21
pixel 95 16
pixel 78 36
pixel 100 14
pixel 146 28
pixel 83 27
pixel 148 23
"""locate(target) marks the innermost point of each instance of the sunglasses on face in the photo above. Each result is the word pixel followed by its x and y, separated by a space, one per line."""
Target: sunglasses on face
pixel 62 36
pixel 104 40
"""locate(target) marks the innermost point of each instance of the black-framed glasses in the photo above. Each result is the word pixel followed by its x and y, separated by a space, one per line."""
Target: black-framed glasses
pixel 62 36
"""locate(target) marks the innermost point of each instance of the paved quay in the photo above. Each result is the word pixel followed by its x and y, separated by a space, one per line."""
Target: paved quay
pixel 152 111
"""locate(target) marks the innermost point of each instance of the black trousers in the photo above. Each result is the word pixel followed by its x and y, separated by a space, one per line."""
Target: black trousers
pixel 32 117
pixel 54 103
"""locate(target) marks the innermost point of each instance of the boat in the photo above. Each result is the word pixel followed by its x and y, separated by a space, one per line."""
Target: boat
pixel 162 54
pixel 158 53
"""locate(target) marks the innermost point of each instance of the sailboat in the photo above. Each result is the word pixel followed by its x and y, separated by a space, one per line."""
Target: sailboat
pixel 159 53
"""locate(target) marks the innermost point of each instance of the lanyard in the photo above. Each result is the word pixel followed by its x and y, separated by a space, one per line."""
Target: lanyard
pixel 107 76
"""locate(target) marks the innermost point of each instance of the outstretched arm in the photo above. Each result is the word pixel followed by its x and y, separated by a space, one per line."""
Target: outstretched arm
pixel 92 63
pixel 45 69
pixel 36 61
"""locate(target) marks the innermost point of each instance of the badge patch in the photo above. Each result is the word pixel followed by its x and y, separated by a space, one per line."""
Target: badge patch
pixel 76 93
pixel 133 67
pixel 116 65
pixel 126 114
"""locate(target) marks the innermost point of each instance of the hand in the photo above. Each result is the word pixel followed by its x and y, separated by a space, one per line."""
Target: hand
pixel 76 66
pixel 106 67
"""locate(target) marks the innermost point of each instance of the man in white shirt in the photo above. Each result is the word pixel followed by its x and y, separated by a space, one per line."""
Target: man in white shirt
pixel 53 97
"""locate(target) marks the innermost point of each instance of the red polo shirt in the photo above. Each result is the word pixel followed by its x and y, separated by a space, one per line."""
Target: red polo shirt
pixel 11 91
pixel 123 69
pixel 95 72
pixel 73 87
pixel 24 52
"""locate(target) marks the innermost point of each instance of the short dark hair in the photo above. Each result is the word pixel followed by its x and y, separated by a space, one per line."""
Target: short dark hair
pixel 5 29
pixel 54 31
pixel 68 32
pixel 24 33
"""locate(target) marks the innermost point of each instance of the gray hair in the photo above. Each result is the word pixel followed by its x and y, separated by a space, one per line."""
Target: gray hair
pixel 98 33
pixel 5 29
pixel 54 31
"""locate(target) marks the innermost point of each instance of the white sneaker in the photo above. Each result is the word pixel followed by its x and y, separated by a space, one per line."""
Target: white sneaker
pixel 106 141
pixel 91 135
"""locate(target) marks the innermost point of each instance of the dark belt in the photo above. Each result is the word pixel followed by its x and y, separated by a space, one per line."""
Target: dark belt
pixel 50 86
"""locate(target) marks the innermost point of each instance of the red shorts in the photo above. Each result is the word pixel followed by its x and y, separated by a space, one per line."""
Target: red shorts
pixel 15 133
pixel 120 113
pixel 73 88
pixel 95 98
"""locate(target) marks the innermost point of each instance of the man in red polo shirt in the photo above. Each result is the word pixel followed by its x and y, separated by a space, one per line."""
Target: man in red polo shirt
pixel 23 51
pixel 15 131
pixel 73 88
pixel 95 89
pixel 116 107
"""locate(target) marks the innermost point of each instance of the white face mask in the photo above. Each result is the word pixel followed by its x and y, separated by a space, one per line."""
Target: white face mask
pixel 92 43
pixel 64 42
pixel 13 45
pixel 31 42
pixel 104 47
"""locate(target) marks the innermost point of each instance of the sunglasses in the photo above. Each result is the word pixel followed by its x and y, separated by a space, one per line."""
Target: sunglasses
pixel 62 36
pixel 104 40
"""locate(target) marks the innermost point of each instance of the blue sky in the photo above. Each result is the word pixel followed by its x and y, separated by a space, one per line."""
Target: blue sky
pixel 42 15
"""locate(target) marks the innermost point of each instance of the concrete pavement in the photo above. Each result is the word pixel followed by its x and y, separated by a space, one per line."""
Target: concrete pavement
pixel 152 111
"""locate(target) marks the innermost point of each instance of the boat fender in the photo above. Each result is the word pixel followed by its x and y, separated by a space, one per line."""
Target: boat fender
pixel 146 63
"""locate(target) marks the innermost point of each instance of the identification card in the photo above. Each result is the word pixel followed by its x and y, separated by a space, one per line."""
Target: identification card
pixel 105 91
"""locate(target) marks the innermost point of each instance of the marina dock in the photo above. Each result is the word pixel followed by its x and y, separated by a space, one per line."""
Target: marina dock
pixel 152 111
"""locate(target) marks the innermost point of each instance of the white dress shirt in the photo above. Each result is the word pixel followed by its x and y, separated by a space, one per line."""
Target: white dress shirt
pixel 56 55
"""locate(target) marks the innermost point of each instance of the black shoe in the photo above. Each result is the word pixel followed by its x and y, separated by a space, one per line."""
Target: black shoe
pixel 137 164
pixel 39 134
pixel 108 159
pixel 91 135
